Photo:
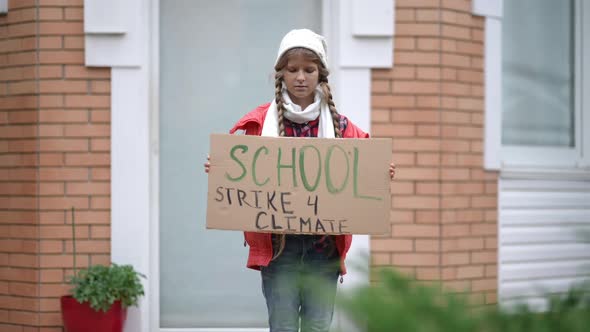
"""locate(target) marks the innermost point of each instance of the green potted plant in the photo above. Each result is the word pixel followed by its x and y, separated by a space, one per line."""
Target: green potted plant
pixel 100 296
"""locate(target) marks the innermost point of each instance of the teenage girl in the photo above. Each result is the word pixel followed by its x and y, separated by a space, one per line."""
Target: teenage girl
pixel 299 272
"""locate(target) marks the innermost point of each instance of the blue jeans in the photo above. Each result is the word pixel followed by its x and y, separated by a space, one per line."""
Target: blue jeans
pixel 300 284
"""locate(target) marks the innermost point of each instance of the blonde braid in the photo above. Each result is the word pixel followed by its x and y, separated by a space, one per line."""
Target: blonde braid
pixel 335 116
pixel 280 238
pixel 279 101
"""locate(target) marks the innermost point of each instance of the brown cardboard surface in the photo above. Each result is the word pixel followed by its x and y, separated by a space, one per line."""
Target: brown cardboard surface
pixel 299 185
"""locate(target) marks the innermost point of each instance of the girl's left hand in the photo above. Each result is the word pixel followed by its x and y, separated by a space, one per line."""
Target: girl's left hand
pixel 392 170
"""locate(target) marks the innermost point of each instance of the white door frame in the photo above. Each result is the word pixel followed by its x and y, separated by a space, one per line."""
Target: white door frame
pixel 124 35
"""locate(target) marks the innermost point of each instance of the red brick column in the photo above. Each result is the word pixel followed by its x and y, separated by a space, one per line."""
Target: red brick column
pixel 19 245
pixel 55 155
pixel 74 158
pixel 469 221
pixel 431 103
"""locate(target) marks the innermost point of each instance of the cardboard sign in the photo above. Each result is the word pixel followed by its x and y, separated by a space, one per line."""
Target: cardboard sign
pixel 299 185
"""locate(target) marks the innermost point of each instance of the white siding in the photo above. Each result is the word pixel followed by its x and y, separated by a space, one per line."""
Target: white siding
pixel 542 246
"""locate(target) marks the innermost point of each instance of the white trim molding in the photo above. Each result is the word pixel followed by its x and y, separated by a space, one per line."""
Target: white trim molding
pixel 373 18
pixel 369 45
pixel 113 32
pixel 550 174
pixel 492 11
pixel 487 8
pixel 493 93
pixel 106 17
pixel 117 36
pixel 153 319
pixel 130 181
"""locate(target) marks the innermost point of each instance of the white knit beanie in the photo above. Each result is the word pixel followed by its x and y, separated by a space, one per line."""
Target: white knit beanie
pixel 307 39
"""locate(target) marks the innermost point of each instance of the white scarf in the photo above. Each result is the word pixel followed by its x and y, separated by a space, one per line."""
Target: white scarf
pixel 294 113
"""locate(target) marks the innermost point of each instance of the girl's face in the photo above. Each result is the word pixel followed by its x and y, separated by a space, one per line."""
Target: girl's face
pixel 301 77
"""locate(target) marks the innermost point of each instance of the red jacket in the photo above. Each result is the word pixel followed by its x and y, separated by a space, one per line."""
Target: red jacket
pixel 260 243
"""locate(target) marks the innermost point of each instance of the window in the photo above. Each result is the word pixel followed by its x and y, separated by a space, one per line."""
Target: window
pixel 542 83
pixel 538 73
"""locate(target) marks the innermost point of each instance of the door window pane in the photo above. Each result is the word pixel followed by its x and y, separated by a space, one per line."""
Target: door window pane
pixel 538 73
pixel 216 64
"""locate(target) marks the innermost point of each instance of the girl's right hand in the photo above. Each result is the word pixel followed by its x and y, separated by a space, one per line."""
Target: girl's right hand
pixel 207 164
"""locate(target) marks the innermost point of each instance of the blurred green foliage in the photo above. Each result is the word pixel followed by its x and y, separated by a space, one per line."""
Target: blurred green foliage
pixel 397 303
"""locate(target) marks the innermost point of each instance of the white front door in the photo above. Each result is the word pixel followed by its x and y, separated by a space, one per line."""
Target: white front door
pixel 216 64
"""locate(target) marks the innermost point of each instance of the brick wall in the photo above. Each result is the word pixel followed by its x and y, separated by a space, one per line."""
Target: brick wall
pixel 74 158
pixel 56 144
pixel 431 103
pixel 19 289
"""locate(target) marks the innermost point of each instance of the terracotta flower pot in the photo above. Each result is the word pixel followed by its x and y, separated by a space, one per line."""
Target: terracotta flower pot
pixel 80 317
